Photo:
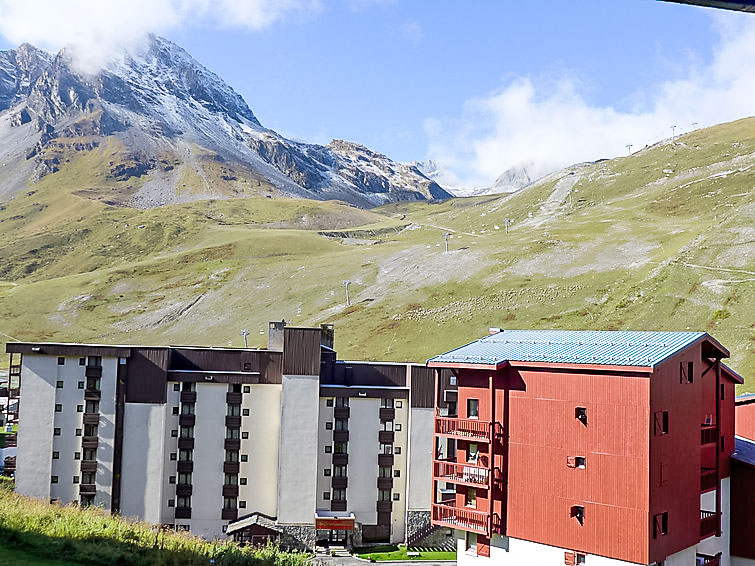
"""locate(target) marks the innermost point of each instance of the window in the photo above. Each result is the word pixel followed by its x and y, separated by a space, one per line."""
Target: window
pixel 229 503
pixel 185 455
pixel 388 425
pixel 580 462
pixel 723 392
pixel 385 472
pixel 61 361
pixel 174 433
pixel 245 412
pixel 88 477
pixel 386 403
pixel 75 479
pixel 396 473
pixel 93 383
pixel 94 361
pixel 686 372
pixel 187 432
pixel 339 495
pixel 242 481
pixel 578 512
pixel 473 452
pixel 78 432
pixel 171 502
pixel 397 450
pixel 58 407
pixel 189 386
pixel 384 495
pixel 452 380
pixel 329 425
pixel 339 471
pixel 329 402
pixel 326 472
pixel 56 432
pixel 723 444
pixel 326 495
pixel 342 401
pixel 232 433
pixel 172 456
pixel 340 447
pixel 82 361
pixel 90 454
pixel 80 385
pixel 79 408
pixel 399 404
pixel 235 388
pixel 187 408
pixel 59 385
pixel 242 504
pixel 470 498
pixel 231 456
pixel 77 455
pixel 396 496
pixel 580 413
pixel 90 430
pixel 172 479
pixel 92 407
pixel 580 558
pixel 176 387
pixel 661 423
pixel 184 479
pixel 231 479
pixel 342 424
pixel 660 524
pixel 244 435
pixel 247 366
pixel 87 501
pixel 244 458
pixel 247 389
pixel 234 411
pixel 397 428
pixel 175 410
pixel 184 501
pixel 122 361
pixel 54 479
pixel 386 448
pixel 55 455
pixel 473 408
pixel 328 449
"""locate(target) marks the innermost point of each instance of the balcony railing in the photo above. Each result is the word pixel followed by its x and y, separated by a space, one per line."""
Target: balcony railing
pixel 11 440
pixel 92 394
pixel 708 479
pixel 705 560
pixel 233 398
pixel 184 489
pixel 709 523
pixel 229 514
pixel 386 436
pixel 463 519
pixel 708 434
pixel 468 429
pixel 183 512
pixel 91 418
pixel 467 474
pixel 230 490
pixel 93 371
pixel 185 466
pixel 188 396
pixel 387 414
pixel 338 505
pixel 87 489
pixel 341 412
pixel 185 443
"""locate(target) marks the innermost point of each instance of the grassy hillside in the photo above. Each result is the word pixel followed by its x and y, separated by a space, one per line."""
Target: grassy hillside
pixel 662 239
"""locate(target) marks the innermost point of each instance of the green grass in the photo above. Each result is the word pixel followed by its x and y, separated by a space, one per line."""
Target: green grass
pixel 392 552
pixel 20 557
pixel 92 536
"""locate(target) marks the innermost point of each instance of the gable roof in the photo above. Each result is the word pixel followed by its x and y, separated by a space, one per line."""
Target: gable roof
pixel 744 451
pixel 643 349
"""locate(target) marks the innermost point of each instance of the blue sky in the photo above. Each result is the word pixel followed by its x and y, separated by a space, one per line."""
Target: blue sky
pixel 417 79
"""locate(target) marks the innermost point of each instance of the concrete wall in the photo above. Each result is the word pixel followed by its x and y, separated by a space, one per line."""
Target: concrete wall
pixel 106 431
pixel 324 459
pixel 362 492
pixel 401 465
pixel 142 475
pixel 297 460
pixel 419 497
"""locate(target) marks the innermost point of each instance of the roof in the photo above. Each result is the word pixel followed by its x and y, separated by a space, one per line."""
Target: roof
pixel 581 347
pixel 746 399
pixel 740 5
pixel 731 374
pixel 744 451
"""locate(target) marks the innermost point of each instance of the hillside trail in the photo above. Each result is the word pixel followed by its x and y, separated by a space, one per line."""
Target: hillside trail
pixel 555 200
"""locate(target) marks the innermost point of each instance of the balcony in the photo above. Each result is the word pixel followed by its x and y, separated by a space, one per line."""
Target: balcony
pixel 11 440
pixel 708 479
pixel 15 371
pixel 384 506
pixel 183 512
pixel 87 489
pixel 93 371
pixel 340 459
pixel 230 467
pixel 385 483
pixel 229 514
pixel 386 436
pixel 187 420
pixel 233 398
pixel 233 421
pixel 184 489
pixel 341 412
pixel 91 418
pixel 89 441
pixel 92 394
pixel 384 460
pixel 230 490
pixel 705 560
pixel 185 466
pixel 465 474
pixel 186 444
pixel 463 519
pixel 88 466
pixel 340 436
pixel 468 429
pixel 339 483
pixel 709 524
pixel 338 505
pixel 188 396
pixel 708 434
pixel 387 414
pixel 232 444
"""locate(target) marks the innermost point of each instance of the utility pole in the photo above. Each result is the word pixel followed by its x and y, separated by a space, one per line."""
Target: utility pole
pixel 506 222
pixel 673 131
pixel 348 300
pixel 446 235
pixel 694 125
pixel 629 148
pixel 245 333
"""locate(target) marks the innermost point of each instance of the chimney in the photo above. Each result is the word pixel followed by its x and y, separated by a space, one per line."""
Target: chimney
pixel 275 335
pixel 493 330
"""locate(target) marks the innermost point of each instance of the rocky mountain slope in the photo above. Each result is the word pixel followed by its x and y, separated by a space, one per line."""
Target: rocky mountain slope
pixel 663 239
pixel 509 181
pixel 163 129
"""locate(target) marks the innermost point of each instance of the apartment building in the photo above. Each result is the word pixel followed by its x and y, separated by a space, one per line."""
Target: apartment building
pixel 605 448
pixel 285 443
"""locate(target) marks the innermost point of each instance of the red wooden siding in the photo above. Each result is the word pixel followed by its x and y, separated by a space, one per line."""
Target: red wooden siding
pixel 745 423
pixel 742 515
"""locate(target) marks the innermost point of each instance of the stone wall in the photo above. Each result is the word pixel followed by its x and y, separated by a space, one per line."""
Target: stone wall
pixel 299 537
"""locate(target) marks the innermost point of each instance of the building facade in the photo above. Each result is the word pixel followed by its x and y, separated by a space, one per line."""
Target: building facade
pixel 287 442
pixel 606 448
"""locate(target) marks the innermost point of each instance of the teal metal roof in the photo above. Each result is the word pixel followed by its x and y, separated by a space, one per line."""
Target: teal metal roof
pixel 613 348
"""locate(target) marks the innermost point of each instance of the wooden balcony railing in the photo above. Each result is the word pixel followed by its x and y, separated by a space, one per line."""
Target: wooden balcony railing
pixel 468 429
pixel 708 434
pixel 709 523
pixel 707 479
pixel 93 371
pixel 467 474
pixel 233 398
pixel 188 396
pixel 387 414
pixel 463 519
pixel 341 412
pixel 92 394
pixel 183 512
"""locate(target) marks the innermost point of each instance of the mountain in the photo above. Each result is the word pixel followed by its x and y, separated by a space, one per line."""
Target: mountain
pixel 509 181
pixel 160 128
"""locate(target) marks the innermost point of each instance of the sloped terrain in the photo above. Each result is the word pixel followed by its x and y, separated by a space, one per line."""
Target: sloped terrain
pixel 662 239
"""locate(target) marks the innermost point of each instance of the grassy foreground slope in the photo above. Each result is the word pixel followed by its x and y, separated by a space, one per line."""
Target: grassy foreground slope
pixel 662 239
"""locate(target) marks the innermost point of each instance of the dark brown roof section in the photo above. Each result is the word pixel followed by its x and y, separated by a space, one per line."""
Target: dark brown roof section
pixel 67 349
pixel 301 350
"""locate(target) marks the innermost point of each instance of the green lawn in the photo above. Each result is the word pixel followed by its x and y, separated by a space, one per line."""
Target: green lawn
pixel 17 557
pixel 391 552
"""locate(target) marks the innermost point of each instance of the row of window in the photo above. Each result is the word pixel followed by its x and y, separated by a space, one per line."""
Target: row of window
pixel 192 386
pixel 342 448
pixel 86 477
pixel 344 402
pixel 91 383
pixel 89 455
pixel 88 407
pixel 340 472
pixel 340 495
pixel 91 361
pixel 57 431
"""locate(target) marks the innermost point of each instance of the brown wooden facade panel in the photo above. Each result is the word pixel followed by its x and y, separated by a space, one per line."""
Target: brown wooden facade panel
pixel 146 380
pixel 301 351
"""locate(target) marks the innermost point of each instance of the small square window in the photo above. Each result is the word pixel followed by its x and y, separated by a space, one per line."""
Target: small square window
pixel 326 495
pixel 78 432
pixel 580 558
pixel 79 408
pixel 329 402
pixel 247 389
pixel 75 479
pixel 172 479
pixel 175 410
pixel 247 366
pixel 328 449
pixel 326 472
pixel 59 385
pixel 80 385
pixel 244 458
pixel 580 462
pixel 397 427
pixel 58 407
pixel 396 496
pixel 329 425
pixel 242 481
pixel 173 456
pixel 82 361
pixel 56 455
pixel 61 361
pixel 397 449
pixel 244 435
pixel 77 455
pixel 396 473
pixel 56 432
pixel 176 387
pixel 122 361
pixel 245 412
pixel 174 433
pixel 660 524
pixel 171 502
pixel 54 479
pixel 399 404
pixel 242 504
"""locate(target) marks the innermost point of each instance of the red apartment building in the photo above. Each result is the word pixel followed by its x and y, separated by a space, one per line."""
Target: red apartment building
pixel 585 447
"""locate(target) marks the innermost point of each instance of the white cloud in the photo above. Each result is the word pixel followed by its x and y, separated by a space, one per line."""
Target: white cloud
pixel 549 126
pixel 98 28
pixel 412 32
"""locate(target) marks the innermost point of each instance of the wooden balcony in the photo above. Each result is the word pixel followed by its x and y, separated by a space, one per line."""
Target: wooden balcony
pixel 340 436
pixel 188 396
pixel 467 429
pixel 233 421
pixel 92 394
pixel 709 524
pixel 183 512
pixel 185 466
pixel 384 460
pixel 91 418
pixel 230 490
pixel 463 519
pixel 339 483
pixel 708 479
pixel 387 414
pixel 87 489
pixel 93 371
pixel 339 505
pixel 708 434
pixel 88 466
pixel 232 444
pixel 230 467
pixel 229 514
pixel 340 459
pixel 11 440
pixel 187 420
pixel 15 371
pixel 385 483
pixel 386 436
pixel 341 412
pixel 184 489
pixel 233 398
pixel 384 506
pixel 89 441
pixel 465 474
